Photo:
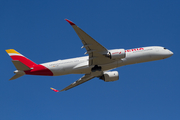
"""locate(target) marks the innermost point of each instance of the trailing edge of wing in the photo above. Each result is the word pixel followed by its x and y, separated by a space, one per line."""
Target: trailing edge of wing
pixel 83 79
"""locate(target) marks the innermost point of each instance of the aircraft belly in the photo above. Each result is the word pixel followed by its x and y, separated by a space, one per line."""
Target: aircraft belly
pixel 109 66
pixel 62 70
pixel 83 70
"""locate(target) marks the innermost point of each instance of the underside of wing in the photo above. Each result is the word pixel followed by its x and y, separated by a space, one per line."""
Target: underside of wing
pixel 97 52
pixel 83 79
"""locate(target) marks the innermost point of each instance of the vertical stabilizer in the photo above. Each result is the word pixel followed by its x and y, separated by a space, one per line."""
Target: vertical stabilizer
pixel 20 66
pixel 20 62
pixel 19 57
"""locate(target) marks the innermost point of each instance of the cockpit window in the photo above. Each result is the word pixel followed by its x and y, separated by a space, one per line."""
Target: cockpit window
pixel 165 48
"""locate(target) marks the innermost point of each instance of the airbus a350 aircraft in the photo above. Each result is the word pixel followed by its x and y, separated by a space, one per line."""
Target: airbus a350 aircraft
pixel 98 63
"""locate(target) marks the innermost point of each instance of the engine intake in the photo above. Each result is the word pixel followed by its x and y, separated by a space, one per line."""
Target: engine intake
pixel 116 54
pixel 110 76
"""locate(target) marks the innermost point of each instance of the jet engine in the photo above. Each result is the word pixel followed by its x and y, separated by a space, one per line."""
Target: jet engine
pixel 116 54
pixel 110 76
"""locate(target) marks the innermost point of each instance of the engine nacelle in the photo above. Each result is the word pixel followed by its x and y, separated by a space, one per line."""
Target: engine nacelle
pixel 110 76
pixel 117 54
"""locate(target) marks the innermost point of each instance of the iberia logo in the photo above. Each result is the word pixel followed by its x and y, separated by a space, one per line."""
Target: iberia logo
pixel 132 50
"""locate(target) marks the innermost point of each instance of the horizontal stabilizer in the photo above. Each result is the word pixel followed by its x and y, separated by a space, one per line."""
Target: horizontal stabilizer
pixel 16 76
pixel 20 66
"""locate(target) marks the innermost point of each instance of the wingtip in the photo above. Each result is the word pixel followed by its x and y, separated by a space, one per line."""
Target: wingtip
pixel 70 22
pixel 54 89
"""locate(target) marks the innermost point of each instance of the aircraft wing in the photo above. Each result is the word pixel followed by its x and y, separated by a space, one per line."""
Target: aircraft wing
pixel 95 50
pixel 83 79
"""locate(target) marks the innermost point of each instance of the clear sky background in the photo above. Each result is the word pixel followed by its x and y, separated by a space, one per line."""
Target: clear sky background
pixel 37 29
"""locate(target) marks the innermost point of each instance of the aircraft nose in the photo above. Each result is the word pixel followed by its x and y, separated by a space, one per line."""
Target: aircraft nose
pixel 170 53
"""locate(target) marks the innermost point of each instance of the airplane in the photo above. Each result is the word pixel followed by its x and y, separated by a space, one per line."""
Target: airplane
pixel 99 62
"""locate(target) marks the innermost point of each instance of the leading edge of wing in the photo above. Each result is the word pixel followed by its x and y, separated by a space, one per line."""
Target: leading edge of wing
pixel 88 42
pixel 95 50
pixel 83 79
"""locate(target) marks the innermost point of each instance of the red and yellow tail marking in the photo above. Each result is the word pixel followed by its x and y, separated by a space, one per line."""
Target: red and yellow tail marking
pixel 17 56
pixel 36 69
pixel 12 52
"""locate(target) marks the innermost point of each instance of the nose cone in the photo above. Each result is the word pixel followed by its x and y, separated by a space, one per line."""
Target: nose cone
pixel 170 53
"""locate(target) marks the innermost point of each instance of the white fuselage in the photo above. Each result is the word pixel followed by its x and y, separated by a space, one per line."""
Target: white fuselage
pixel 80 65
pixel 97 64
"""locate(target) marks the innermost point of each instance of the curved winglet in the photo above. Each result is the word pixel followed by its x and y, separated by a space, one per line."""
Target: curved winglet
pixel 70 22
pixel 54 89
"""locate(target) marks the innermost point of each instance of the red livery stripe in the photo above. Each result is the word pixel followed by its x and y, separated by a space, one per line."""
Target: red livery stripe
pixel 24 60
pixel 39 70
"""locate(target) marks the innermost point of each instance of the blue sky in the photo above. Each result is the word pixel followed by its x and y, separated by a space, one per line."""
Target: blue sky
pixel 37 29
